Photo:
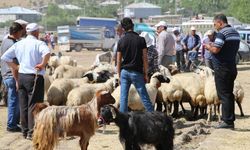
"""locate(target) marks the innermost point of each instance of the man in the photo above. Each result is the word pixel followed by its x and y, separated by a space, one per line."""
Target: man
pixel 152 55
pixel 206 54
pixel 32 56
pixel 132 65
pixel 180 60
pixel 119 33
pixel 191 44
pixel 165 45
pixel 15 33
pixel 224 52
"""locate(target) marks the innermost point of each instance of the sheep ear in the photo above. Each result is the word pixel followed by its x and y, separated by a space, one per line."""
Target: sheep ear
pixel 113 112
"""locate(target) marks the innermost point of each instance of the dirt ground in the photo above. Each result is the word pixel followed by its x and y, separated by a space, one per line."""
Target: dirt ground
pixel 189 134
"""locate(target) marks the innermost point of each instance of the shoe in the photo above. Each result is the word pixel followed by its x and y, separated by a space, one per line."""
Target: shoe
pixel 29 137
pixel 17 129
pixel 224 125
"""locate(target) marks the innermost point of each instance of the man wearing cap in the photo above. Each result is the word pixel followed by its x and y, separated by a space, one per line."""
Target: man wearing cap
pixel 32 56
pixel 191 44
pixel 15 33
pixel 206 54
pixel 132 65
pixel 224 51
pixel 180 60
pixel 165 45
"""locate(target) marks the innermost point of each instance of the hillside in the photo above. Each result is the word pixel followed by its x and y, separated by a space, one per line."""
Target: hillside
pixel 23 3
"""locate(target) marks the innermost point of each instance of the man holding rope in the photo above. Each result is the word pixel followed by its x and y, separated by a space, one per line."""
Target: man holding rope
pixel 32 56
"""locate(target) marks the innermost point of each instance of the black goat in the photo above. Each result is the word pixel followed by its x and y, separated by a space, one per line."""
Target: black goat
pixel 138 128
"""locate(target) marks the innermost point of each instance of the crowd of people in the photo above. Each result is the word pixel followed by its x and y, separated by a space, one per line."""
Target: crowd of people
pixel 137 57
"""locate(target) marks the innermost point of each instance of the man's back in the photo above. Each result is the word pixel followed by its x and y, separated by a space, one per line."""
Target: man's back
pixel 166 44
pixel 131 46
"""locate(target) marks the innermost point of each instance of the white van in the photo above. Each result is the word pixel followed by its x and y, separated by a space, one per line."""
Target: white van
pixel 245 35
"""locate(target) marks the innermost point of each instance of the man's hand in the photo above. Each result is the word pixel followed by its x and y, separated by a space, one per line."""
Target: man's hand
pixel 39 67
pixel 17 86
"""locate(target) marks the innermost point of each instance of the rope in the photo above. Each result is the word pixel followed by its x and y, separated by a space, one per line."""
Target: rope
pixel 35 80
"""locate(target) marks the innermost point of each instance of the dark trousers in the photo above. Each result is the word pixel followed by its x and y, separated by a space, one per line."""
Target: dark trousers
pixel 224 82
pixel 28 99
pixel 180 60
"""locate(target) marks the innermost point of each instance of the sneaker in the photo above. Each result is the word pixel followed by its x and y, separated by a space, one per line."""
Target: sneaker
pixel 17 129
pixel 224 125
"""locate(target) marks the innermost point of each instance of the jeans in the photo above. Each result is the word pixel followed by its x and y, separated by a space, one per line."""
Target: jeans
pixel 13 102
pixel 28 99
pixel 180 60
pixel 167 60
pixel 224 82
pixel 129 77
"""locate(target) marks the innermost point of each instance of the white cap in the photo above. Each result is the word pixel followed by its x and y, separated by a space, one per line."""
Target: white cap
pixel 148 40
pixel 192 28
pixel 32 27
pixel 21 22
pixel 209 32
pixel 161 23
pixel 175 29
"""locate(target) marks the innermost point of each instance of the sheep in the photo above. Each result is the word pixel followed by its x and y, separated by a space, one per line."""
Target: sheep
pixel 211 93
pixel 103 58
pixel 136 128
pixel 84 93
pixel 66 71
pixel 238 95
pixel 60 88
pixel 134 101
pixel 56 61
pixel 47 82
pixel 60 121
pixel 193 91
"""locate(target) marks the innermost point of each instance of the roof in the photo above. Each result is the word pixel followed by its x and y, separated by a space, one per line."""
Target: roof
pixel 17 10
pixel 110 2
pixel 142 5
pixel 72 7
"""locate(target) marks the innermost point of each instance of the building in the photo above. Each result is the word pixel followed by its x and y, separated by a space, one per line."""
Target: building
pixel 14 13
pixel 170 19
pixel 141 10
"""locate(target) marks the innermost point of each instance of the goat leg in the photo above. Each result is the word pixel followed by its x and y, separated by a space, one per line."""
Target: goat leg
pixel 241 111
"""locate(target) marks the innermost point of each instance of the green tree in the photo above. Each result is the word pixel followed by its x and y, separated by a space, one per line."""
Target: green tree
pixel 240 10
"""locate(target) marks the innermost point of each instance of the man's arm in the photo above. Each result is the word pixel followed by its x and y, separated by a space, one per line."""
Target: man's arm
pixel 161 41
pixel 198 43
pixel 213 49
pixel 119 59
pixel 44 62
pixel 218 43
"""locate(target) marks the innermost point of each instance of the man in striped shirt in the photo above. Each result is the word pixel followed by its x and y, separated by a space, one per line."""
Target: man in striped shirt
pixel 224 52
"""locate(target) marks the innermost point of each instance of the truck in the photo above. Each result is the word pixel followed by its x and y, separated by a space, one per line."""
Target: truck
pixel 108 23
pixel 89 37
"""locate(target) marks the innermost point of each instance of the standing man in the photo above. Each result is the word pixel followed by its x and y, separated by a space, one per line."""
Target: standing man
pixel 15 33
pixel 132 65
pixel 206 54
pixel 32 56
pixel 165 45
pixel 191 44
pixel 180 60
pixel 224 52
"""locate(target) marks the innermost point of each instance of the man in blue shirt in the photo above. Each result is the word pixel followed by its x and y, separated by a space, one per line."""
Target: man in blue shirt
pixel 224 52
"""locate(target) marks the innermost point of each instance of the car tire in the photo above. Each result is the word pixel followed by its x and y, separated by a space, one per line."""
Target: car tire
pixel 78 47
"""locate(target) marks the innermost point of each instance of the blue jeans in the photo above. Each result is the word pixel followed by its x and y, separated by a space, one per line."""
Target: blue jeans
pixel 129 77
pixel 13 102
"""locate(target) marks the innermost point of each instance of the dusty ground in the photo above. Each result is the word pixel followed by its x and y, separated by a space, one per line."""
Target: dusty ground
pixel 189 135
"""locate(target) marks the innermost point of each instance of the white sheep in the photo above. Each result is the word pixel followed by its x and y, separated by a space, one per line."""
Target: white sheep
pixel 58 91
pixel 193 91
pixel 238 92
pixel 134 100
pixel 66 71
pixel 47 82
pixel 85 92
pixel 211 94
pixel 56 61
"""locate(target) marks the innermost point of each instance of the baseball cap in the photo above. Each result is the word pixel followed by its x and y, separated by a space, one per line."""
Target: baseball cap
pixel 210 32
pixel 175 29
pixel 21 22
pixel 32 27
pixel 161 23
pixel 192 28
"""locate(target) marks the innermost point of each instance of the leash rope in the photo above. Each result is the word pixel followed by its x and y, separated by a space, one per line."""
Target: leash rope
pixel 34 86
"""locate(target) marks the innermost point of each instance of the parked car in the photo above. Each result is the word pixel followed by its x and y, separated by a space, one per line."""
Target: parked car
pixel 243 52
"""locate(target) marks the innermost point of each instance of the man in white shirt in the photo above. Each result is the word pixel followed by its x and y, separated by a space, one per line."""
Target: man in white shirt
pixel 165 45
pixel 32 56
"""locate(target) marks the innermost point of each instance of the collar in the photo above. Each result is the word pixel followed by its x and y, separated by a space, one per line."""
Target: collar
pixel 128 32
pixel 31 37
pixel 11 38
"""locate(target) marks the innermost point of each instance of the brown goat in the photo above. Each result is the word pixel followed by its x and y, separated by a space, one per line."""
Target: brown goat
pixel 60 121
